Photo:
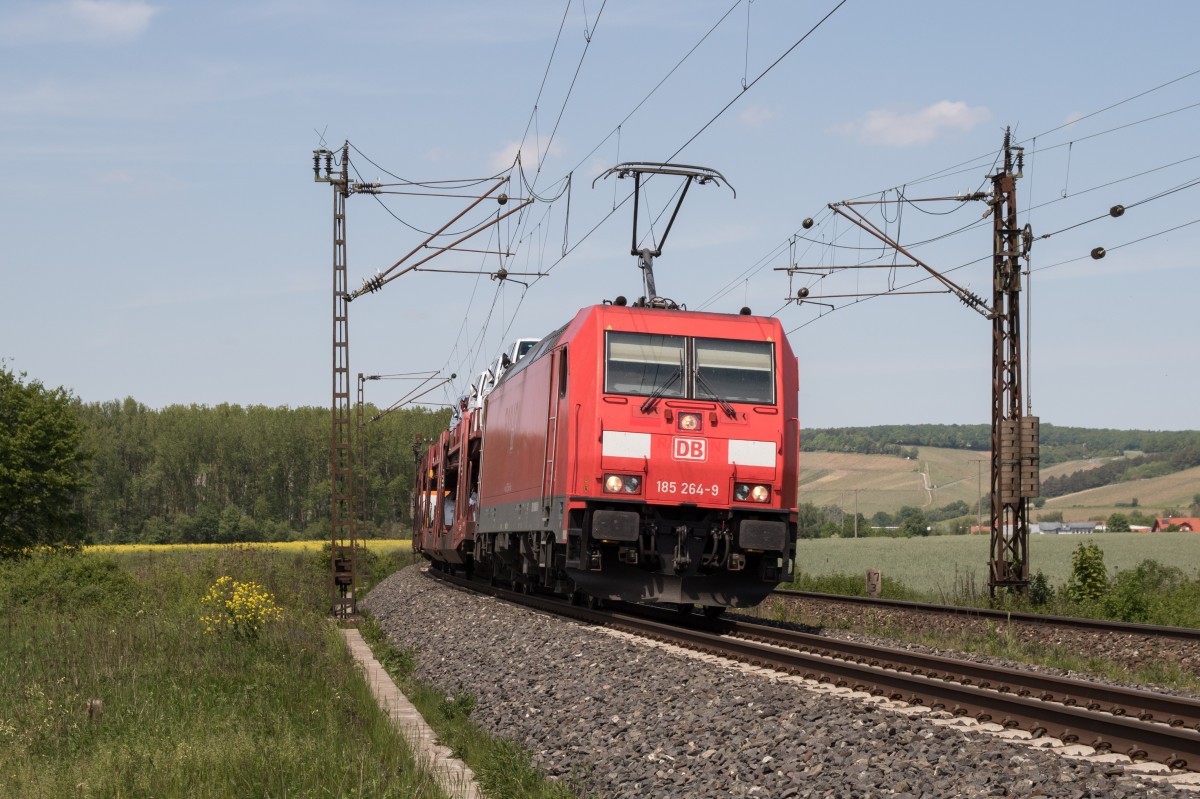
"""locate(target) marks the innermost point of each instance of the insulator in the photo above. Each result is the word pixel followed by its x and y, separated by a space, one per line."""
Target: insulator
pixel 1098 253
pixel 802 293
pixel 500 274
pixel 502 199
pixel 807 223
pixel 745 311
pixel 620 300
pixel 1116 210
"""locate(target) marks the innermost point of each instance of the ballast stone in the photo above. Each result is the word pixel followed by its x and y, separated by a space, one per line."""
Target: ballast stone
pixel 530 686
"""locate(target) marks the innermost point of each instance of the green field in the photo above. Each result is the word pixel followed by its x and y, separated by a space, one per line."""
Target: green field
pixel 936 566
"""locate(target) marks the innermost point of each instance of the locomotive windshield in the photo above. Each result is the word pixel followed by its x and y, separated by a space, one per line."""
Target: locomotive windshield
pixel 640 363
pixel 735 371
pixel 700 368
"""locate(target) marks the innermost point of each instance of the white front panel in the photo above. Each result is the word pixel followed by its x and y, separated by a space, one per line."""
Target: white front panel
pixel 627 445
pixel 752 453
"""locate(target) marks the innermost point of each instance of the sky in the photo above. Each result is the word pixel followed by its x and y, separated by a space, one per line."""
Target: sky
pixel 162 237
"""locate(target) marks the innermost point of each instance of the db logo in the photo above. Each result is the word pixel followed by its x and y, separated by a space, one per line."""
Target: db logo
pixel 691 449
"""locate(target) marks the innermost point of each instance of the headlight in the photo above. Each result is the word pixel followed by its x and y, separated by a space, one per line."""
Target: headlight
pixel 622 483
pixel 747 492
pixel 689 422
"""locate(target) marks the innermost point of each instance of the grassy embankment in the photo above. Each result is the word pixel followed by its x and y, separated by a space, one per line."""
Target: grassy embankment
pixel 953 570
pixel 110 686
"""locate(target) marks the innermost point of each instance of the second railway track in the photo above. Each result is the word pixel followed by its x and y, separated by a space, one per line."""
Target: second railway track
pixel 1190 634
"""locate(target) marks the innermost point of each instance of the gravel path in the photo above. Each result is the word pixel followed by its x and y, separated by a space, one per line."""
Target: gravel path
pixel 621 719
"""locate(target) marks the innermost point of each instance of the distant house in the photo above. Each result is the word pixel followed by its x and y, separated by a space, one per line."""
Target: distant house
pixel 1188 524
pixel 1050 528
pixel 1079 528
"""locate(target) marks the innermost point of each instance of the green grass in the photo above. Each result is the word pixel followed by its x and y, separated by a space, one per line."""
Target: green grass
pixel 501 767
pixel 1153 579
pixel 183 713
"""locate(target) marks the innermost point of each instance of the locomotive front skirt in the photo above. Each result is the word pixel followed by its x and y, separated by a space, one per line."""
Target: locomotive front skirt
pixel 636 453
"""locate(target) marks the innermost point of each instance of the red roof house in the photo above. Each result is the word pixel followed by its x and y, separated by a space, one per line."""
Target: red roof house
pixel 1186 524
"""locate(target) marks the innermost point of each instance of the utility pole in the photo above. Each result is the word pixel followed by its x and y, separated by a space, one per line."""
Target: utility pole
pixel 1015 470
pixel 342 533
pixel 347 497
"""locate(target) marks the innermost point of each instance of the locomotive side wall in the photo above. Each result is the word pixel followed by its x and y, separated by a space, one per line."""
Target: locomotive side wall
pixel 514 437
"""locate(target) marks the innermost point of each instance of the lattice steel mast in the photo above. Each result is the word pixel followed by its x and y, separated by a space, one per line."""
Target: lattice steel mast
pixel 1015 447
pixel 343 527
pixel 1015 474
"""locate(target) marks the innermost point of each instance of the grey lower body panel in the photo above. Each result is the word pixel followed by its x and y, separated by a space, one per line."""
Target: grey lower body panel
pixel 632 584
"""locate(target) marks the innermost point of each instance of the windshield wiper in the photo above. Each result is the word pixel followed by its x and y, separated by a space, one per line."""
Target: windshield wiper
pixel 653 399
pixel 725 406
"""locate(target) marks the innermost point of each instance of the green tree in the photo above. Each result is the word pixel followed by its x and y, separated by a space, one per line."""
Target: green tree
pixel 1118 523
pixel 809 520
pixel 43 467
pixel 913 522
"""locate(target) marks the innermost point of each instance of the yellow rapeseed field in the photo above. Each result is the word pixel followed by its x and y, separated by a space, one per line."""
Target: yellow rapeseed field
pixel 377 545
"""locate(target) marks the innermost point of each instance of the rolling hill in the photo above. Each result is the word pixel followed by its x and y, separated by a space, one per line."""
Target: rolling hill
pixel 939 476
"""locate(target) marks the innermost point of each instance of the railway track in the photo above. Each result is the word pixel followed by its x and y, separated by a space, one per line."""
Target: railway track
pixel 1097 625
pixel 1140 724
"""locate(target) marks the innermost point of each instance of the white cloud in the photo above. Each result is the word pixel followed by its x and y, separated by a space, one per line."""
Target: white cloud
pixel 76 21
pixel 896 128
pixel 1072 118
pixel 755 116
pixel 505 157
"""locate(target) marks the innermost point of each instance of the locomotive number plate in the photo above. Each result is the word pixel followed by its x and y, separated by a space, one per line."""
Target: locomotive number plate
pixel 690 449
pixel 689 489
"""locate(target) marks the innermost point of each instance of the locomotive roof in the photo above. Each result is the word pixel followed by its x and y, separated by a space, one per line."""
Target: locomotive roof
pixel 657 320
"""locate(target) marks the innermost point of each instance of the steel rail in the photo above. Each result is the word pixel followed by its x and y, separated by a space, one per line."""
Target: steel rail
pixel 1131 628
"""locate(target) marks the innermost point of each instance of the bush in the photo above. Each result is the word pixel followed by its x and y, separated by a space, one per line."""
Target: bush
pixel 1041 593
pixel 1089 578
pixel 1135 592
pixel 68 581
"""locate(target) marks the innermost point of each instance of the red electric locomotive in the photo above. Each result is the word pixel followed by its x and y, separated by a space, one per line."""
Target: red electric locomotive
pixel 640 453
pixel 636 453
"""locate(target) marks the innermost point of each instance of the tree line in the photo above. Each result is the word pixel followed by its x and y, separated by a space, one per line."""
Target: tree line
pixel 201 474
pixel 1141 467
pixel 828 521
pixel 1058 444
